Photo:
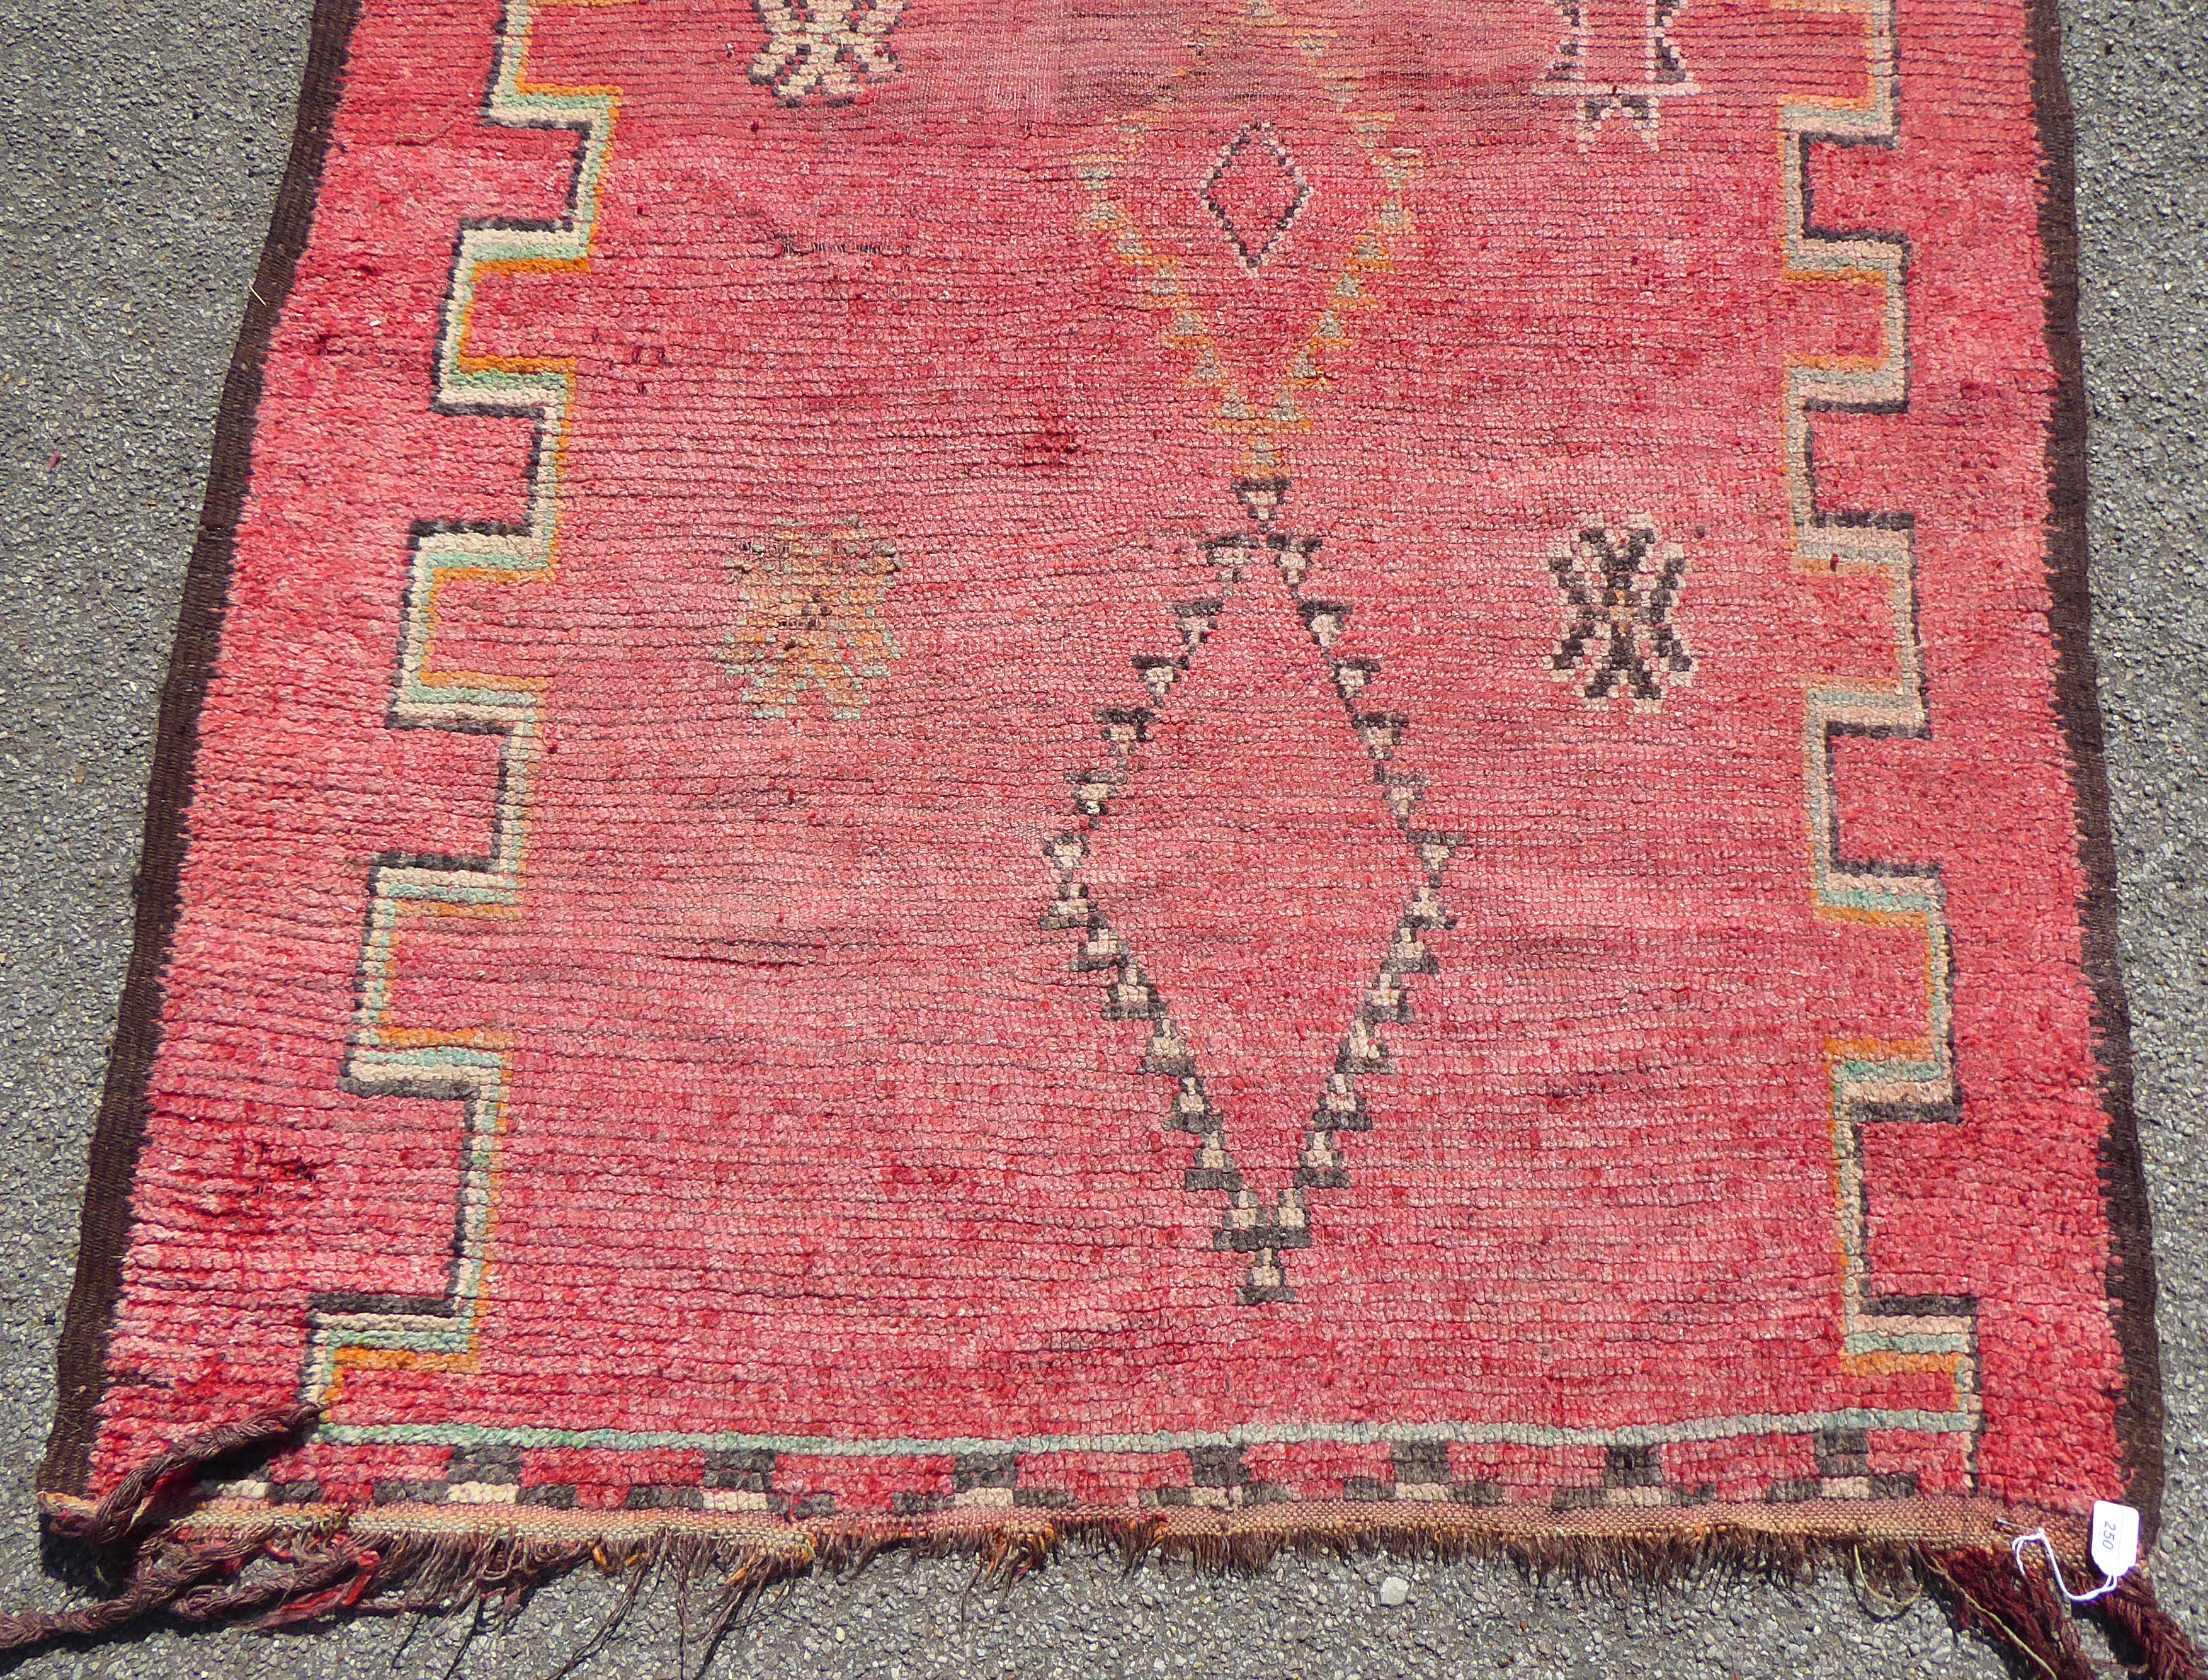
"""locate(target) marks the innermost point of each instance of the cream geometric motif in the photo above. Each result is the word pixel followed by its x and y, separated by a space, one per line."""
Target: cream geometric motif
pixel 1263 1234
pixel 1618 59
pixel 1265 422
pixel 832 48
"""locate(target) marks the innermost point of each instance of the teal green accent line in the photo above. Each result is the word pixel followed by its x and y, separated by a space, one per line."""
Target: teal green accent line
pixel 1865 1073
pixel 1876 1341
pixel 433 695
pixel 409 1341
pixel 447 892
pixel 1896 903
pixel 1244 1434
pixel 429 1056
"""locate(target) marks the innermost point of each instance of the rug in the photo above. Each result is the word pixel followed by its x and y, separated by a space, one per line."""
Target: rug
pixel 1219 773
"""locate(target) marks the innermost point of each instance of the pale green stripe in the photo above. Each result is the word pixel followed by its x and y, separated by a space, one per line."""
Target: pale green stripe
pixel 1861 898
pixel 1863 1073
pixel 1872 1341
pixel 430 697
pixel 367 1058
pixel 1245 1435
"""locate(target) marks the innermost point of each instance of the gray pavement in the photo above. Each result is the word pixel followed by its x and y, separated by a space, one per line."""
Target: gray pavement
pixel 139 158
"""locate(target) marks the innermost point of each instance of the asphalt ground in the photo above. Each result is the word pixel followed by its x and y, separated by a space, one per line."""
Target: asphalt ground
pixel 142 148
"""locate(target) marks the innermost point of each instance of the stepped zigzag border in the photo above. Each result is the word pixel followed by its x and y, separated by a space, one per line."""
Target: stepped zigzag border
pixel 1871 1081
pixel 472 1067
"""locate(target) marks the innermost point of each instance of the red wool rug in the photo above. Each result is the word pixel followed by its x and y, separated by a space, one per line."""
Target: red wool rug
pixel 1223 772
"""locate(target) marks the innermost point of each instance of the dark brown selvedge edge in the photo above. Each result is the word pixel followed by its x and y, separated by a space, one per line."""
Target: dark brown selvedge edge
pixel 120 1132
pixel 121 1127
pixel 2130 1282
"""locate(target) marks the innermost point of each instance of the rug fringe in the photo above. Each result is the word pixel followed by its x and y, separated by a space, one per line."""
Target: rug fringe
pixel 1988 1594
pixel 283 1575
pixel 139 1494
pixel 2157 1642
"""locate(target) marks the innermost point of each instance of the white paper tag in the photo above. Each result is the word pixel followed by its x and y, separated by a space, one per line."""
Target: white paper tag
pixel 2115 1537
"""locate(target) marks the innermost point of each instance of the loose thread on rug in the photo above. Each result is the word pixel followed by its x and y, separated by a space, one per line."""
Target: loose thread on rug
pixel 181 1577
pixel 139 1493
pixel 2017 1613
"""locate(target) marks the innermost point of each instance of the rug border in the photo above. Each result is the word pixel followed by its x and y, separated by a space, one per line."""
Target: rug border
pixel 2140 1416
pixel 119 1133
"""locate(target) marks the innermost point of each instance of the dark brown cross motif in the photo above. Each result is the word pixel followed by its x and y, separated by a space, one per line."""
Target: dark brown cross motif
pixel 1619 588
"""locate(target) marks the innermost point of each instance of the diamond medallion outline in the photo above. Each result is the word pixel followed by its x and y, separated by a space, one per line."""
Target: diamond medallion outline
pixel 1265 419
pixel 1262 1235
pixel 1250 249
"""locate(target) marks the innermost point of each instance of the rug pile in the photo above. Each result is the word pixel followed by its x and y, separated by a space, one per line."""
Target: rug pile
pixel 1217 775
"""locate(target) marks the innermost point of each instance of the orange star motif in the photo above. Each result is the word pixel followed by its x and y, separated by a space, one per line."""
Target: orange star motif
pixel 811 613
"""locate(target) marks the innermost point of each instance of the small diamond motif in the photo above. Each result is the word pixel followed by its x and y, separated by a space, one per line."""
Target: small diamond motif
pixel 1255 192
